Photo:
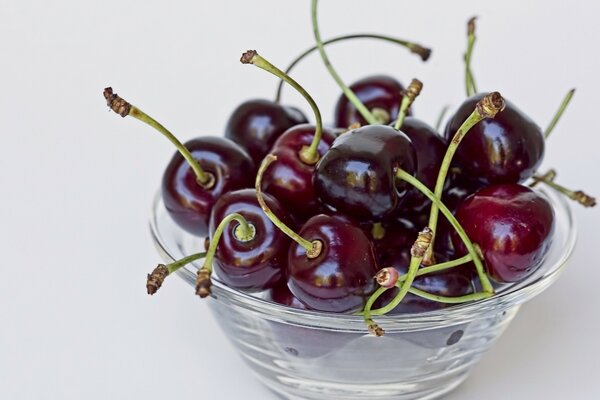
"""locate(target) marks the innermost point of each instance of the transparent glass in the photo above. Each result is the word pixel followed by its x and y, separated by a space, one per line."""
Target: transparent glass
pixel 313 355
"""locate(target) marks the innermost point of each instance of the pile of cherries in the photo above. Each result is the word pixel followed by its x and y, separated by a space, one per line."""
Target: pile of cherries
pixel 345 219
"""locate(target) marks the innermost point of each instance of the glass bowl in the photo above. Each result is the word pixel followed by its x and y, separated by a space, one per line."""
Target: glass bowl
pixel 314 355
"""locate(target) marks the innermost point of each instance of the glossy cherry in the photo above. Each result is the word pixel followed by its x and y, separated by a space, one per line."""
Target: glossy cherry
pixel 430 148
pixel 190 203
pixel 341 276
pixel 506 149
pixel 381 94
pixel 357 175
pixel 290 179
pixel 256 264
pixel 512 224
pixel 256 124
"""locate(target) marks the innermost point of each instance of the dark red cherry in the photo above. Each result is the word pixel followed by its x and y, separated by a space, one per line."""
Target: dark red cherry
pixel 290 179
pixel 394 248
pixel 357 176
pixel 341 277
pixel 256 124
pixel 381 94
pixel 190 204
pixel 512 224
pixel 256 264
pixel 281 294
pixel 506 149
pixel 430 148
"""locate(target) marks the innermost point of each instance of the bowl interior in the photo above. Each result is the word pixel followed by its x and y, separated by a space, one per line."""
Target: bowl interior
pixel 173 243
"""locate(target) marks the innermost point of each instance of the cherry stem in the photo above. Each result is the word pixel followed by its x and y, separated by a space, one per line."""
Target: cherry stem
pixel 559 113
pixel 485 281
pixel 243 232
pixel 440 119
pixel 313 249
pixel 409 96
pixel 421 51
pixel 450 300
pixel 421 271
pixel 469 79
pixel 487 107
pixel 159 274
pixel 550 175
pixel 360 107
pixel 377 231
pixel 309 155
pixel 576 195
pixel 123 108
pixel 417 252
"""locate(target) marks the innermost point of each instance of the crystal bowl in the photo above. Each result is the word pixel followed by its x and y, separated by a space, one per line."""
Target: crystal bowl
pixel 315 355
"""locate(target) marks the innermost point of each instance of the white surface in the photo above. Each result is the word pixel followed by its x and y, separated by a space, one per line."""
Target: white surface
pixel 77 181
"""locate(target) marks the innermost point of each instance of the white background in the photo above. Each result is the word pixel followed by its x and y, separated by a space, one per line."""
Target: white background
pixel 77 181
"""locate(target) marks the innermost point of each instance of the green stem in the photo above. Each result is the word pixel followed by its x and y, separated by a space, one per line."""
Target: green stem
pixel 440 119
pixel 243 232
pixel 559 113
pixel 576 195
pixel 367 310
pixel 404 106
pixel 360 107
pixel 309 155
pixel 440 267
pixel 204 179
pixel 423 52
pixel 174 266
pixel 471 88
pixel 404 286
pixel 313 249
pixel 485 282
pixel 479 114
pixel 451 300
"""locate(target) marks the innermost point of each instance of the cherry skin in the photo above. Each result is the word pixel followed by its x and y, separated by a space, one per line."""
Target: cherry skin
pixel 357 176
pixel 256 124
pixel 189 203
pixel 375 92
pixel 290 179
pixel 512 224
pixel 430 149
pixel 256 264
pixel 341 277
pixel 506 149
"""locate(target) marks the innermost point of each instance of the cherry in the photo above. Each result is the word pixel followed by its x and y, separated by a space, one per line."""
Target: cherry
pixel 256 124
pixel 340 277
pixel 198 174
pixel 357 175
pixel 381 94
pixel 190 203
pixel 513 226
pixel 430 150
pixel 506 149
pixel 290 180
pixel 255 264
pixel 298 150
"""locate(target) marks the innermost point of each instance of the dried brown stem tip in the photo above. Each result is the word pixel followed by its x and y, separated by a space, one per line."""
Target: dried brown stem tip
pixel 156 278
pixel 471 26
pixel 203 283
pixel 421 51
pixel 414 89
pixel 491 105
pixel 584 199
pixel 376 330
pixel 419 248
pixel 387 277
pixel 248 57
pixel 116 103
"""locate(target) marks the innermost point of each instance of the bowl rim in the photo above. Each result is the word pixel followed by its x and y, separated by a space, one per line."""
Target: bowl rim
pixel 514 295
